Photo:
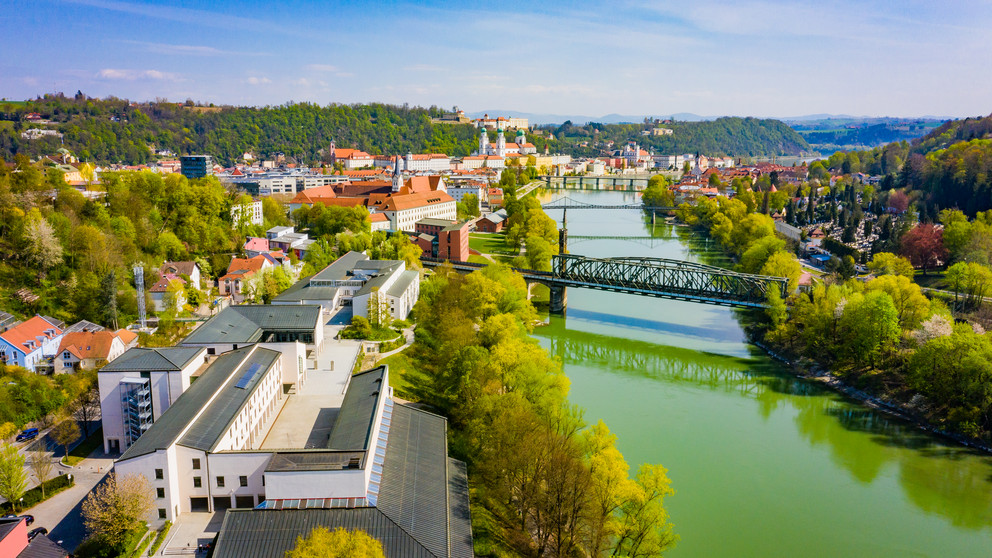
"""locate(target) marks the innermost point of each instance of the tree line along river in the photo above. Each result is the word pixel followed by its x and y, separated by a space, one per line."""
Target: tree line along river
pixel 763 463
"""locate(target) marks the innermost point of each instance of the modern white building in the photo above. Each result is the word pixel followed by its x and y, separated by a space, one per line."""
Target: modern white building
pixel 137 387
pixel 352 280
pixel 243 214
pixel 380 461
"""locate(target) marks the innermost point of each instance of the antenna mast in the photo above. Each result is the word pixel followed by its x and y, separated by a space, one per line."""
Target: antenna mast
pixel 139 284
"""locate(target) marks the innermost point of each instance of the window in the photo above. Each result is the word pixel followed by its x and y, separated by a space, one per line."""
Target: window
pixel 220 482
pixel 158 474
pixel 160 492
pixel 196 482
pixel 243 480
pixel 161 513
pixel 196 463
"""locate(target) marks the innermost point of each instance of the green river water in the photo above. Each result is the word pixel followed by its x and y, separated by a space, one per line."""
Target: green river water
pixel 763 463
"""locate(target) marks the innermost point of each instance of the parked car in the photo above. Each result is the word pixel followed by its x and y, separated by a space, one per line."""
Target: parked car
pixel 29 518
pixel 29 434
pixel 37 531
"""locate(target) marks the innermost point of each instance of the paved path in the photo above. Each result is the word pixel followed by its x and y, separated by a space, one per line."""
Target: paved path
pixel 62 514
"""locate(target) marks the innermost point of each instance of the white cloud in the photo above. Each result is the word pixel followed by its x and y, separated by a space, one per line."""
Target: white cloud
pixel 190 50
pixel 132 75
pixel 258 80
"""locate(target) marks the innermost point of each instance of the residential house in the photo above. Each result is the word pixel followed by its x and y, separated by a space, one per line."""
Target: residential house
pixel 168 293
pixel 239 272
pixel 249 213
pixel 182 269
pixel 32 344
pixel 92 349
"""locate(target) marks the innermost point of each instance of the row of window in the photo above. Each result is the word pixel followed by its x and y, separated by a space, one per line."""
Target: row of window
pixel 197 482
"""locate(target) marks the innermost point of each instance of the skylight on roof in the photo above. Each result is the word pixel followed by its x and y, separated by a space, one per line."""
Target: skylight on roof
pixel 246 379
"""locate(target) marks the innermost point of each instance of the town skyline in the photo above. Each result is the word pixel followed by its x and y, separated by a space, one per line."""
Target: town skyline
pixel 766 59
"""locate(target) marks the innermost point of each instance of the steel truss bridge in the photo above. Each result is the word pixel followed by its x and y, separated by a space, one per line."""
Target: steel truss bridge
pixel 657 277
pixel 566 203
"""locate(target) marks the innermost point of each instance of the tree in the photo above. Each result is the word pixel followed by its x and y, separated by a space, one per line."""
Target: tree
pixel 644 529
pixel 41 466
pixel 65 433
pixel 468 207
pixel 340 543
pixel 924 246
pixel 378 309
pixel 13 477
pixel 118 506
pixel 887 263
pixel 108 286
pixel 43 248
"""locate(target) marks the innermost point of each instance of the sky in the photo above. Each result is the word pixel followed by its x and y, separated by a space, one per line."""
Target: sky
pixel 765 58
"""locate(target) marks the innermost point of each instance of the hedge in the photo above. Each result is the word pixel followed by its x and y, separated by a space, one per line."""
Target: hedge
pixel 33 497
pixel 160 538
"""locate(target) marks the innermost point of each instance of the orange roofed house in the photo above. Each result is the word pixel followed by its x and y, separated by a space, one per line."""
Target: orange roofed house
pixel 240 271
pixel 91 349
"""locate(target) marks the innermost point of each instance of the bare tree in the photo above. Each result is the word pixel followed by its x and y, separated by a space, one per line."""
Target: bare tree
pixel 118 506
pixel 41 466
pixel 65 433
pixel 86 407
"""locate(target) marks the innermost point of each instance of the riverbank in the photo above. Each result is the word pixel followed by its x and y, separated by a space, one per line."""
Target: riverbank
pixel 892 408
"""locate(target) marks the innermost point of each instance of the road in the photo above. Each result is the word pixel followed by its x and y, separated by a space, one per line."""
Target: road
pixel 62 514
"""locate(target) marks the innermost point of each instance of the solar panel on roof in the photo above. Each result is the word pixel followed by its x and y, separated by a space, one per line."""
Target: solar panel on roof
pixel 246 379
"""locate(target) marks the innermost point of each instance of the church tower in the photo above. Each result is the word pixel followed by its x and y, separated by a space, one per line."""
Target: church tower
pixel 521 140
pixel 483 142
pixel 500 144
pixel 397 176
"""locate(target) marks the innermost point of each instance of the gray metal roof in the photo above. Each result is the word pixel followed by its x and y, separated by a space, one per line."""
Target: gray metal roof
pixel 459 511
pixel 43 547
pixel 315 460
pixel 139 359
pixel 339 269
pixel 270 533
pixel 377 281
pixel 397 289
pixel 414 485
pixel 248 323
pixel 302 290
pixel 353 426
pixel 213 422
pixel 166 430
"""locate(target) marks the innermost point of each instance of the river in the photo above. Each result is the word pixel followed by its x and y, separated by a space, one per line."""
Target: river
pixel 763 463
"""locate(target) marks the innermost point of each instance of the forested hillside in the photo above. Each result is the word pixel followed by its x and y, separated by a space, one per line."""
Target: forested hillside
pixel 950 167
pixel 117 131
pixel 831 134
pixel 732 136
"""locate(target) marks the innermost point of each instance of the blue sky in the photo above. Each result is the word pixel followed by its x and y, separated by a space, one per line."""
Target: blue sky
pixel 750 57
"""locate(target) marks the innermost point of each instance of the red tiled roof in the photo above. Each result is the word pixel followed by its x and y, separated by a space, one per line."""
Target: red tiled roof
pixel 89 344
pixel 29 331
pixel 420 199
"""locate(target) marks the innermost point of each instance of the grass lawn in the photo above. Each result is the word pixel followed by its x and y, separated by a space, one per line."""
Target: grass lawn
pixel 81 451
pixel 400 367
pixel 472 258
pixel 933 279
pixel 489 243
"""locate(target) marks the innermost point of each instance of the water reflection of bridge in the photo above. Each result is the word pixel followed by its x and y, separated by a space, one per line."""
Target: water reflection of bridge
pixel 667 363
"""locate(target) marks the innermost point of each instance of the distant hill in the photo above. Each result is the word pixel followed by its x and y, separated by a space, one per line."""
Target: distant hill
pixel 728 136
pixel 117 131
pixel 846 133
pixel 538 119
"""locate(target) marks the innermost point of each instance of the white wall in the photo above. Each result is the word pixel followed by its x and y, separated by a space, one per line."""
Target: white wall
pixel 348 483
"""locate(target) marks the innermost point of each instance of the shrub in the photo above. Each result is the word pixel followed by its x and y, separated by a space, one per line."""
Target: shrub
pixel 163 532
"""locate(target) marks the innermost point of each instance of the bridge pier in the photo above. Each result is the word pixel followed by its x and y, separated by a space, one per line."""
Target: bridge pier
pixel 559 300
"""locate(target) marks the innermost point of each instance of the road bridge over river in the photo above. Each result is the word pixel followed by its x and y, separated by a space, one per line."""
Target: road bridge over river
pixel 657 277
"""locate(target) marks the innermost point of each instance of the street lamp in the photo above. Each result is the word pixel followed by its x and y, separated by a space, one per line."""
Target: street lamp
pixel 21 501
